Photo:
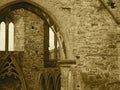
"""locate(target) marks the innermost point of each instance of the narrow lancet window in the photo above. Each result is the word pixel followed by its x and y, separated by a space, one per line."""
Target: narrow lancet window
pixel 2 36
pixel 53 46
pixel 11 36
pixel 51 39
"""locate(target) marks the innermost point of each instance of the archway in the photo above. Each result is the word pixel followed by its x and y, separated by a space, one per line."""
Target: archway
pixel 58 83
pixel 41 12
pixel 42 82
pixel 50 85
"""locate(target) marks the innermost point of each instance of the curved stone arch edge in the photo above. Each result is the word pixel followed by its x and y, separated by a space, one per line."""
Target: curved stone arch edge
pixel 113 16
pixel 20 72
pixel 56 28
pixel 55 77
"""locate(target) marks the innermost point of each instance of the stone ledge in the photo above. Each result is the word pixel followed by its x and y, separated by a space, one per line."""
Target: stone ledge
pixel 51 63
pixel 67 63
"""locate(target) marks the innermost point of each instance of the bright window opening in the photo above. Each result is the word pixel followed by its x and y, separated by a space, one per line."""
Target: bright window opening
pixel 2 36
pixel 11 36
pixel 51 39
pixel 53 46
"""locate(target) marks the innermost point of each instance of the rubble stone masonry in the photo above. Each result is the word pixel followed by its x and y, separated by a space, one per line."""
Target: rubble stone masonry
pixel 91 37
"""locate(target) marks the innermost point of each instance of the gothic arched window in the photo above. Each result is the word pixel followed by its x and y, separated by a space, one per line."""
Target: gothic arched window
pixel 2 36
pixel 11 37
pixel 6 36
pixel 53 46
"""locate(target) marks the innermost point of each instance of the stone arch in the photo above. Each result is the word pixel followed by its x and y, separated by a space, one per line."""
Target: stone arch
pixel 10 65
pixel 42 82
pixel 45 15
pixel 50 83
pixel 58 83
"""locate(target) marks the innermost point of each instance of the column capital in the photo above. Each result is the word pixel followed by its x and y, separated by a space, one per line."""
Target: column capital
pixel 67 63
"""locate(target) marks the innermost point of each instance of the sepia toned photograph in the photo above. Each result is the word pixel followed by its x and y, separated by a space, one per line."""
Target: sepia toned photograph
pixel 59 44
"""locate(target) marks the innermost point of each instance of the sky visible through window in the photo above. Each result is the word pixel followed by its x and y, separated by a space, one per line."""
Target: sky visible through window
pixel 11 37
pixel 2 36
pixel 51 39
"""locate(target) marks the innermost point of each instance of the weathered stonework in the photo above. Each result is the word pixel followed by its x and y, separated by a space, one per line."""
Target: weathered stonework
pixel 91 36
pixel 29 37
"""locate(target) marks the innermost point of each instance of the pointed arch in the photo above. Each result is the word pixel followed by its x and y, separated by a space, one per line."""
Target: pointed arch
pixel 2 35
pixel 11 37
pixel 50 83
pixel 10 69
pixel 44 14
pixel 42 82
pixel 58 83
pixel 30 6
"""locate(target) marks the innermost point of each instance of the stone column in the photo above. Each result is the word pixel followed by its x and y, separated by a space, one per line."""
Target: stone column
pixel 66 74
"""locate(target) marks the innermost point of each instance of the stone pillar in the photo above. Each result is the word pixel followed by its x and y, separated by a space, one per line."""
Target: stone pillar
pixel 66 74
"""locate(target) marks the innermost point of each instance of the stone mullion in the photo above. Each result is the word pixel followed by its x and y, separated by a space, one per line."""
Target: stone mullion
pixel 7 36
pixel 46 42
pixel 55 44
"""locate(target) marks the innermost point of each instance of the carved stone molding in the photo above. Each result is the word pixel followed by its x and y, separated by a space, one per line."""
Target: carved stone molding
pixel 67 63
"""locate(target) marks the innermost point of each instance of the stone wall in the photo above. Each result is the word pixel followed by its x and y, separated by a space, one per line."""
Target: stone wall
pixel 91 38
pixel 34 50
pixel 96 35
pixel 18 20
pixel 29 37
